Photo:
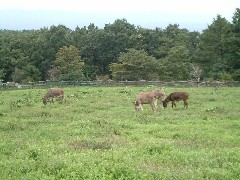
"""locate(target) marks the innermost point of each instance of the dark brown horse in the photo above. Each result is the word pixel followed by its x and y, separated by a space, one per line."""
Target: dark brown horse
pixel 176 96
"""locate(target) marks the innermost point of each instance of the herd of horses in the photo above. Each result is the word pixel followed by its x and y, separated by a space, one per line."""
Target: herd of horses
pixel 149 97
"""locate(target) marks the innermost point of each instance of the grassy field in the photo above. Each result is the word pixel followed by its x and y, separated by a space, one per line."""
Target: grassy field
pixel 97 134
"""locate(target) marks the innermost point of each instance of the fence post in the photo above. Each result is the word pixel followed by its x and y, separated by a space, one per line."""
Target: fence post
pixel 31 84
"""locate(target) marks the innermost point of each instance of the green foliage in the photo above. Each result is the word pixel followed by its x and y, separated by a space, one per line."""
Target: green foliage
pixel 120 26
pixel 236 75
pixel 236 20
pixel 176 65
pixel 235 41
pixel 68 62
pixel 214 46
pixel 226 76
pixel 134 65
pixel 2 74
pixel 97 134
pixel 28 73
pixel 100 47
pixel 31 54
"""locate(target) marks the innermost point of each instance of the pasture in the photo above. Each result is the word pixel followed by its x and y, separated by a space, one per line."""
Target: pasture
pixel 97 134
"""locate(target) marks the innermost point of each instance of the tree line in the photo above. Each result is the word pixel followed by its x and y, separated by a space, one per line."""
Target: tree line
pixel 122 51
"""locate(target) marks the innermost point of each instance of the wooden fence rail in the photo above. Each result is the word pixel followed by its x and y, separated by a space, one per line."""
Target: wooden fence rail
pixel 48 84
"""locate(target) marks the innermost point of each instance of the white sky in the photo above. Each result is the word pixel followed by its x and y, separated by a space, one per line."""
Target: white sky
pixel 189 10
pixel 175 6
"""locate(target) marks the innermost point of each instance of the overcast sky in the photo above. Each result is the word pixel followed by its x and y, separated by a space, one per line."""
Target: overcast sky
pixel 194 15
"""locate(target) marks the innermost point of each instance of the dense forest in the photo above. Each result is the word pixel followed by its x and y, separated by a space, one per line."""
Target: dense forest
pixel 122 51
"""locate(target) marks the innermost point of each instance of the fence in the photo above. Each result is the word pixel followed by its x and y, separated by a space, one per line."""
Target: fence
pixel 48 84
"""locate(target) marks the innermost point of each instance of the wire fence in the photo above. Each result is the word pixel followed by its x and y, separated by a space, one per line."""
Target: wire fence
pixel 50 84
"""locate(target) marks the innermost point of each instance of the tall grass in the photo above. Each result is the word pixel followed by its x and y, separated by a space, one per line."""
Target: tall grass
pixel 97 134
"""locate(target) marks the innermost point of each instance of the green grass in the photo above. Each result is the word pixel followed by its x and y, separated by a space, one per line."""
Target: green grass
pixel 97 134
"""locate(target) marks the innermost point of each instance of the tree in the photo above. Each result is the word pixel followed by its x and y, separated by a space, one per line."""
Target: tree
pixel 101 47
pixel 149 40
pixel 176 65
pixel 2 73
pixel 236 21
pixel 31 54
pixel 54 74
pixel 24 69
pixel 214 50
pixel 6 66
pixel 173 36
pixel 69 63
pixel 234 44
pixel 134 65
pixel 196 72
pixel 25 74
pixel 120 26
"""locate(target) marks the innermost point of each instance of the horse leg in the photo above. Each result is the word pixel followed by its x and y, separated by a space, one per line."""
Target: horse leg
pixel 185 104
pixel 154 104
pixel 174 104
pixel 62 98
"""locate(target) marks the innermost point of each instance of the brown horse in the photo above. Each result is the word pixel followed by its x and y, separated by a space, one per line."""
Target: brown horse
pixel 176 96
pixel 53 93
pixel 149 98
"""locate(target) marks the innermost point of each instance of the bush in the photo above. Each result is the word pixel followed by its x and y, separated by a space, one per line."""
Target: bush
pixel 226 76
pixel 236 75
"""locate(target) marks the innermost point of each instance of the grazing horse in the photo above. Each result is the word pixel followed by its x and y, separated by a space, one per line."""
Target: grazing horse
pixel 176 96
pixel 149 97
pixel 53 93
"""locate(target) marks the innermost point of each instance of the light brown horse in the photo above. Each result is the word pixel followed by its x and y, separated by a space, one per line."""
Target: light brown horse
pixel 53 93
pixel 150 98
